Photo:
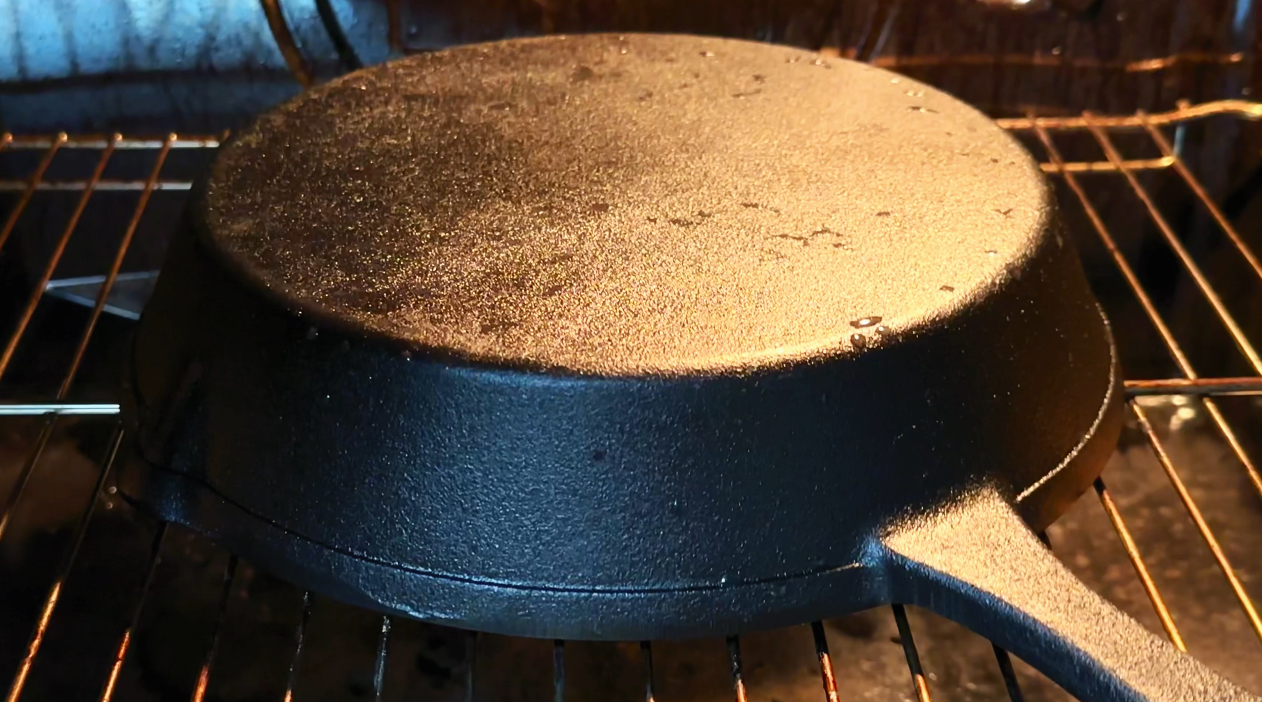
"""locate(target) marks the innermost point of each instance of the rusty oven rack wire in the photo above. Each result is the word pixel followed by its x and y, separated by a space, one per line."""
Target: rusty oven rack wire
pixel 1101 128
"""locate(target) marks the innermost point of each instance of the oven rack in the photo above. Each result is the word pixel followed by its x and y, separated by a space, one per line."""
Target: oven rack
pixel 1112 136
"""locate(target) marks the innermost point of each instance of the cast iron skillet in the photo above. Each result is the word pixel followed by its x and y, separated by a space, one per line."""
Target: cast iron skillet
pixel 638 337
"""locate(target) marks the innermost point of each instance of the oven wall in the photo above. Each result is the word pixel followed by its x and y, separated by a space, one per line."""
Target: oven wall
pixel 210 64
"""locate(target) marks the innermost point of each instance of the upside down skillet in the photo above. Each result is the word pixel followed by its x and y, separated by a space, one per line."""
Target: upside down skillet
pixel 638 337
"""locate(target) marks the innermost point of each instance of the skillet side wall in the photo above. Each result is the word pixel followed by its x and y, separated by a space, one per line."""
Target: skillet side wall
pixel 662 483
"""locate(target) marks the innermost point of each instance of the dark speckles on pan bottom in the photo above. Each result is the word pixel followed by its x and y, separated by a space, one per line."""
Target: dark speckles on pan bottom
pixel 426 187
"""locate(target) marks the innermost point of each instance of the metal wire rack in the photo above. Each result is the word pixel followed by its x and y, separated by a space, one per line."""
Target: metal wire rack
pixel 1108 133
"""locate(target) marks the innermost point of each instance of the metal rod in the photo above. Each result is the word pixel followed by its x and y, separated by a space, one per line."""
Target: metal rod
pixel 285 42
pixel 24 476
pixel 300 638
pixel 37 409
pixel 886 31
pixel 1180 134
pixel 830 33
pixel 31 184
pixel 124 644
pixel 394 25
pixel 1206 533
pixel 738 678
pixel 1057 61
pixel 1234 442
pixel 1202 195
pixel 333 28
pixel 1119 260
pixel 54 591
pixel 558 671
pixel 1172 239
pixel 1197 386
pixel 471 662
pixel 100 141
pixel 119 254
pixel 383 648
pixel 1132 551
pixel 101 186
pixel 918 682
pixel 1150 310
pixel 1009 674
pixel 29 311
pixel 1240 108
pixel 1146 164
pixel 646 654
pixel 825 662
pixel 203 676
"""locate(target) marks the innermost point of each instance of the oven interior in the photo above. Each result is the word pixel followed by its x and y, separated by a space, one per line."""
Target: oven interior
pixel 1141 119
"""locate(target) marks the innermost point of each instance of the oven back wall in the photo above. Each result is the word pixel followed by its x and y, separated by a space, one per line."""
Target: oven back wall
pixel 210 64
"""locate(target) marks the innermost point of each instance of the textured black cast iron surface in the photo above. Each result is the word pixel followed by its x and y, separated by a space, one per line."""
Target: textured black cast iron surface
pixel 601 337
pixel 686 207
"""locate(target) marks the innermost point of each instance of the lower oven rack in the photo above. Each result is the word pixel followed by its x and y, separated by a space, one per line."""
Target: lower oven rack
pixel 1129 147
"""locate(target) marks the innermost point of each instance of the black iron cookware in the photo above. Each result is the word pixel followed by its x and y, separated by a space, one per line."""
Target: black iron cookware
pixel 637 337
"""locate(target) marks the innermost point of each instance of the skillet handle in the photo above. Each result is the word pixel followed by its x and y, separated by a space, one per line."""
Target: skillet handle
pixel 976 562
